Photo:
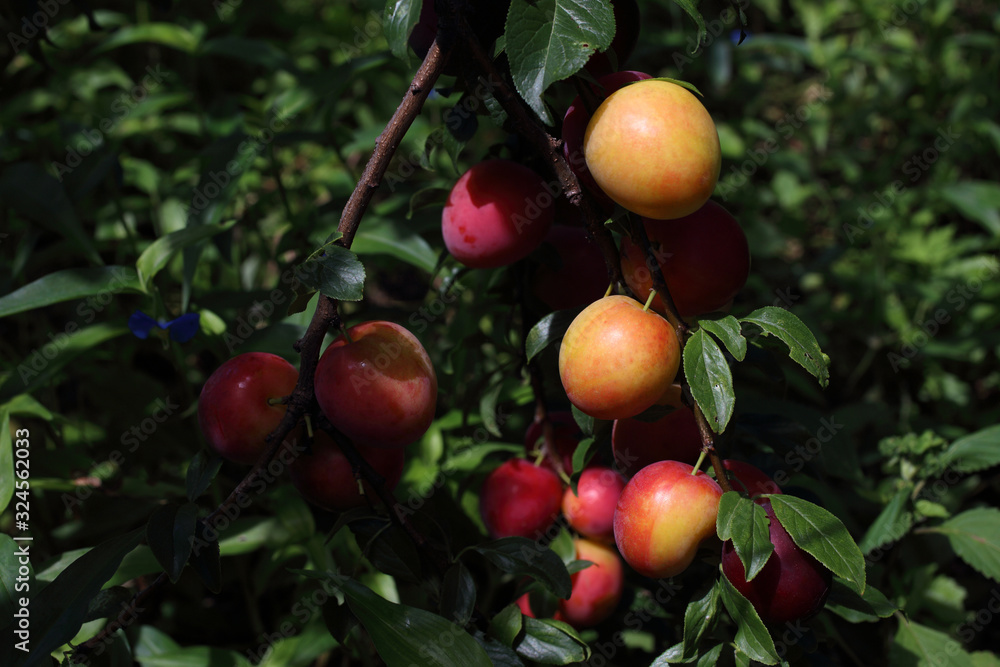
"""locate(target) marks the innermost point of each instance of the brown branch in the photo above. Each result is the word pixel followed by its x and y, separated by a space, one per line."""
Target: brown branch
pixel 659 282
pixel 546 146
pixel 302 400
pixel 707 438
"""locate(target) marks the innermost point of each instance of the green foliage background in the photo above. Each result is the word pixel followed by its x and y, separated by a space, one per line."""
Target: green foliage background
pixel 861 148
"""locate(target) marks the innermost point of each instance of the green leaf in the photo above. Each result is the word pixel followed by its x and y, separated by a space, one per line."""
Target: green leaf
pixel 821 534
pixel 39 197
pixel 167 34
pixel 976 200
pixel 337 273
pixel 892 523
pixel 867 608
pixel 429 197
pixel 200 473
pixel 801 342
pixel 170 535
pixel 551 643
pixel 161 251
pixel 507 624
pixel 752 638
pixel 253 51
pixel 58 610
pixel 583 453
pixel 400 633
pixel 920 646
pixel 711 657
pixel 698 618
pixel 521 556
pixel 711 381
pixel 488 406
pixel 69 284
pixel 400 17
pixel 396 241
pixel 691 7
pixel 583 420
pixel 745 523
pixel 975 537
pixel 728 331
pixel 974 452
pixel 6 460
pixel 683 84
pixel 458 594
pixel 549 40
pixel 549 329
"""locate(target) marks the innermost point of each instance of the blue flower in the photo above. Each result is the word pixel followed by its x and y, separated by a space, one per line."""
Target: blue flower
pixel 181 330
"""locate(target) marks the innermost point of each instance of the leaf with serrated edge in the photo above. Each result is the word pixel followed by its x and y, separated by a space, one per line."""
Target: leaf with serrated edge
pixel 698 618
pixel 710 379
pixel 745 523
pixel 854 608
pixel 802 345
pixel 547 330
pixel 975 537
pixel 752 638
pixel 551 643
pixel 819 533
pixel 728 331
pixel 550 40
pixel 519 555
pixel 976 451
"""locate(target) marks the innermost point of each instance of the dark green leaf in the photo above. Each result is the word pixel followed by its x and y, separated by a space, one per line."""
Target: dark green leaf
pixel 458 594
pixel 400 17
pixel 388 547
pixel 500 654
pixel 70 284
pixel 58 610
pixel 37 196
pixel 711 381
pixel 691 7
pixel 752 638
pixel 166 34
pixel 711 657
pixel 975 537
pixel 170 535
pixel 583 453
pixel 6 461
pixel 728 331
pixel 976 200
pixel 339 275
pixel 892 523
pixel 200 473
pixel 397 241
pixel 801 342
pixel 549 40
pixel 432 197
pixel 507 624
pixel 583 420
pixel 919 646
pixel 521 556
pixel 108 603
pixel 551 643
pixel 867 608
pixel 401 633
pixel 253 51
pixel 745 523
pixel 162 250
pixel 488 406
pixel 547 330
pixel 9 565
pixel 821 534
pixel 976 451
pixel 699 618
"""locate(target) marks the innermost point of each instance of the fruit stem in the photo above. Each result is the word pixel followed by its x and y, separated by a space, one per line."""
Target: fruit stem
pixel 611 287
pixel 639 234
pixel 343 330
pixel 309 427
pixel 649 300
pixel 697 465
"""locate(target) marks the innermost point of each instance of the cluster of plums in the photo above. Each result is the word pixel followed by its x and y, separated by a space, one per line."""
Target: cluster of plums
pixel 376 385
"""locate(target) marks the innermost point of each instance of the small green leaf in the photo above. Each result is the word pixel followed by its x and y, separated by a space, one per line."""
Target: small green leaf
pixel 975 537
pixel 745 523
pixel 867 608
pixel 400 633
pixel 336 273
pixel 162 250
pixel 698 618
pixel 400 18
pixel 521 556
pixel 547 330
pixel 920 646
pixel 710 379
pixel 551 643
pixel 383 238
pixel 170 535
pixel 892 523
pixel 458 594
pixel 584 421
pixel 550 40
pixel 728 331
pixel 488 406
pixel 801 342
pixel 583 453
pixel 200 473
pixel 507 624
pixel 821 534
pixel 70 284
pixel 167 34
pixel 429 197
pixel 974 452
pixel 682 84
pixel 691 7
pixel 752 638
